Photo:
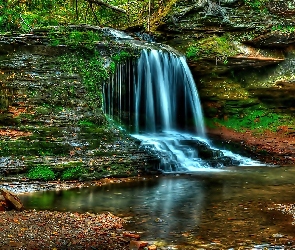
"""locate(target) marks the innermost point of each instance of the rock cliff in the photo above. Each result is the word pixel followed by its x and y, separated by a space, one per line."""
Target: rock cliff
pixel 242 55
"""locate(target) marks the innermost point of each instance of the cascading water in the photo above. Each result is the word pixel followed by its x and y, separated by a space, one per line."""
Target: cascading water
pixel 165 92
pixel 159 100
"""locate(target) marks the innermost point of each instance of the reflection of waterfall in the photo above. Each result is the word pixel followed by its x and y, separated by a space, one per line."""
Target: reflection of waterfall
pixel 158 98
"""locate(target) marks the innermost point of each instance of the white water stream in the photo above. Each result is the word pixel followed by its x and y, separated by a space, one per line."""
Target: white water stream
pixel 164 110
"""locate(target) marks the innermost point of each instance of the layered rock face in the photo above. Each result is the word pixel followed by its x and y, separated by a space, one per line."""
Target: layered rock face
pixel 48 117
pixel 242 54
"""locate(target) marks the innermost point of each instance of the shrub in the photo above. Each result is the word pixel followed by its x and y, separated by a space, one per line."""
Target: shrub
pixel 41 173
pixel 73 173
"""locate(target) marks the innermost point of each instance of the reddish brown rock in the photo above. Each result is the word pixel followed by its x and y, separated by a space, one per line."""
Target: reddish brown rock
pixel 137 245
pixel 2 198
pixel 130 235
pixel 12 199
pixel 4 206
pixel 152 247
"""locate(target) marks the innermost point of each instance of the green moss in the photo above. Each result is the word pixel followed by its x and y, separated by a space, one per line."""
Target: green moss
pixel 74 38
pixel 223 89
pixel 73 173
pixel 26 147
pixel 42 110
pixel 256 119
pixel 86 123
pixel 212 47
pixel 41 173
pixel 90 66
pixel 256 4
pixel 192 52
pixel 121 56
pixel 286 29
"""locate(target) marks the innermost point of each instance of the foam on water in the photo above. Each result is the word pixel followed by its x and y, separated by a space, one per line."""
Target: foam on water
pixel 176 155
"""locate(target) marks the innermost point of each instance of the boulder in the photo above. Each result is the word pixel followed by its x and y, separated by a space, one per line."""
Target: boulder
pixel 137 245
pixel 131 235
pixel 12 199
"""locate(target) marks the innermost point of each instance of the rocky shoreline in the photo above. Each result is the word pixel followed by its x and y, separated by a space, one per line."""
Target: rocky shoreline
pixel 31 229
pixel 65 230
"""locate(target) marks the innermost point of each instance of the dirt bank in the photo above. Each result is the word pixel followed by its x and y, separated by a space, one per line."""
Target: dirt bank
pixel 276 148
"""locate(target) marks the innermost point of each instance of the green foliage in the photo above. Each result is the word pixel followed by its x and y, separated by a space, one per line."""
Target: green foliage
pixel 91 66
pixel 117 58
pixel 256 4
pixel 73 173
pixel 27 14
pixel 9 17
pixel 93 72
pixel 112 67
pixel 74 38
pixel 283 29
pixel 192 52
pixel 78 38
pixel 121 56
pixel 91 69
pixel 86 123
pixel 41 173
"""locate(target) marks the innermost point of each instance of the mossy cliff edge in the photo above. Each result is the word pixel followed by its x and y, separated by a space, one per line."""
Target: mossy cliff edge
pixel 52 125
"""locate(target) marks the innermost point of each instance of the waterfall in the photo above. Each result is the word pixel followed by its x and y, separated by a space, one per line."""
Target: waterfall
pixel 165 91
pixel 157 98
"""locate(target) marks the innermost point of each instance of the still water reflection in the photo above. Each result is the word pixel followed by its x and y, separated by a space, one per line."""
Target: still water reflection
pixel 227 207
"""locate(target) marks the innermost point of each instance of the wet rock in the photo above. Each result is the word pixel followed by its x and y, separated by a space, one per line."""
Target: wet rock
pixel 12 199
pixel 131 235
pixel 275 39
pixel 4 206
pixel 159 220
pixel 137 245
pixel 282 7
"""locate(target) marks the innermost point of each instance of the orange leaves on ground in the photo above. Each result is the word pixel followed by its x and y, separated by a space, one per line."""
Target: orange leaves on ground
pixel 14 134
pixel 16 111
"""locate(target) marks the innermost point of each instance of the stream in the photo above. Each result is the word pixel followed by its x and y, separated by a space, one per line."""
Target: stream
pixel 227 209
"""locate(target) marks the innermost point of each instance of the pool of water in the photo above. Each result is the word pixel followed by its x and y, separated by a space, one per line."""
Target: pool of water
pixel 239 208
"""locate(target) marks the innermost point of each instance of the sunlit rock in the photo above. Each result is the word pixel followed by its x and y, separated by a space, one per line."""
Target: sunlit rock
pixel 13 201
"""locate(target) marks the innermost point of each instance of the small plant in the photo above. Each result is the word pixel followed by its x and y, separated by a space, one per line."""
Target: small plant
pixel 74 38
pixel 73 173
pixel 192 52
pixel 121 56
pixel 44 173
pixel 256 4
pixel 283 29
pixel 86 123
pixel 112 67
